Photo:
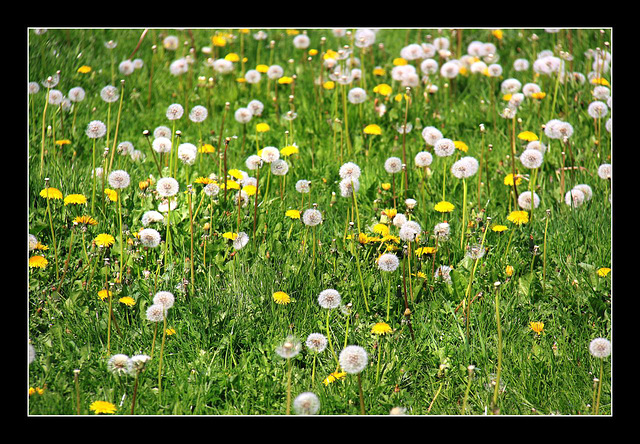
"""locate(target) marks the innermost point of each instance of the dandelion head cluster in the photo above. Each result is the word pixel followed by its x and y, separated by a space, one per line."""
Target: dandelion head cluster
pixel 443 273
pixel 303 186
pixel 409 230
pixel 600 348
pixel 423 159
pixel 306 403
pixel 388 262
pixel 574 198
pixel 243 115
pixel 198 114
pixel 349 170
pixel 604 171
pixel 353 359
pixel 597 109
pixel 241 240
pixel 431 135
pixel 96 129
pixel 465 167
pixel 109 94
pixel 393 165
pixel 270 154
pixel 442 231
pixel 174 111
pixel 150 217
pixel 279 167
pixel 187 153
pixel 289 348
pixel 118 364
pixel 316 342
pixel 531 158
pixel 167 187
pixel 444 147
pixel 329 298
pixel 119 179
pixel 156 313
pixel 149 237
pixel 526 202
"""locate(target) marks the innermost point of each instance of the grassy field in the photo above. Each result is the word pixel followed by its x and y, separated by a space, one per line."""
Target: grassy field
pixel 506 331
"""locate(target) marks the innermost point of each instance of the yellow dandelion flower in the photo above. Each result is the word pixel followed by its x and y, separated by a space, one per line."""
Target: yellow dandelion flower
pixel 235 173
pixel 292 31
pixel 390 238
pixel 330 54
pixel 383 89
pixel 381 229
pixel 102 407
pixel 42 247
pixel 381 328
pixel 599 81
pixel 292 214
pixel 51 193
pixel 232 57
pixel 539 95
pixel 85 220
pixel 207 148
pixel 111 194
pixel 508 270
pixel 262 127
pixel 399 61
pixel 518 217
pixel 386 186
pixel 289 150
pixel 281 298
pixel 230 185
pixel 77 199
pixel 420 274
pixel 390 212
pixel 399 97
pixel 128 301
pixel 464 71
pixel 537 326
pixel 204 180
pixel 335 376
pixel 378 71
pixel 229 235
pixel 285 80
pixel 313 52
pixel 506 97
pixel 444 207
pixel 461 145
pixel 508 179
pixel 602 272
pixel 330 84
pixel 144 184
pixel 250 189
pixel 218 40
pixel 84 69
pixel 37 262
pixel 170 331
pixel 241 80
pixel 373 129
pixel 499 228
pixel 425 250
pixel 104 240
pixel 497 33
pixel 528 136
pixel 262 68
pixel 62 142
pixel 104 294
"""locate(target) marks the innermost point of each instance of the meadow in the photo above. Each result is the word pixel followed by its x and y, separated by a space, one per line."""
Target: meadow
pixel 319 221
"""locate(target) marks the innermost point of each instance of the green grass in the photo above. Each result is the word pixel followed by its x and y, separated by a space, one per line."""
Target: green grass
pixel 221 359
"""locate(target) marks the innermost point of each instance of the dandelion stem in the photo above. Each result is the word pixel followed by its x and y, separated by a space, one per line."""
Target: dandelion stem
pixel 115 135
pixel 53 236
pixel 362 412
pixel 466 393
pixel 464 211
pixel 329 338
pixel 499 371
pixel 597 406
pixel 44 115
pixel 164 334
pixel 289 368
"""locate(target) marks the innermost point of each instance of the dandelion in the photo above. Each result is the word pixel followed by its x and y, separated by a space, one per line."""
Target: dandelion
pixel 597 109
pixel 38 261
pixel 119 179
pixel 537 327
pixel 306 403
pixel 281 298
pixel 312 217
pixel 127 300
pixel 104 240
pixel 444 207
pixel 531 158
pixel 99 407
pixel 526 202
pixel 604 271
pixel 149 237
pixel 353 360
pixel 117 364
pixel 518 217
pixel 164 298
pixel 174 111
pixel 599 348
pixel 241 240
pixel 604 171
pixel 443 273
pixel 574 198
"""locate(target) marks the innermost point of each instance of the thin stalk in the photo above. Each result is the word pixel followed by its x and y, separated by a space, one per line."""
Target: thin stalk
pixel 115 135
pixel 44 115
pixel 362 412
pixel 499 371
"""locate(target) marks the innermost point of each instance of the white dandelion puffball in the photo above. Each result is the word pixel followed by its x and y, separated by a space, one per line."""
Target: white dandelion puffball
pixel 510 86
pixel 161 145
pixel 363 38
pixel 252 76
pixel 198 114
pixel 388 262
pixel 126 67
pixel 408 231
pixel 530 88
pixel 253 162
pixel 494 70
pixel 564 129
pixel 444 147
pixel 478 67
pixel 137 363
pixel 223 66
pixel 608 124
pixel 349 186
pixel 119 179
pixel 524 200
pixel 516 100
pixel 137 155
pixel 412 51
pixel 167 187
pixel 77 94
pixel 465 167
pixel 393 165
pixel 353 359
pixel 270 154
pixel 167 205
pixel 531 158
pixel 349 170
pixel 118 364
pixel 441 43
pixel 211 189
pixel 316 342
pixel 423 159
pixel 109 94
pixel 601 92
pixel 410 203
pixel 275 72
pixel 604 171
pixel 586 190
pixel 301 41
pixel 156 313
pixel 187 153
pixel 443 272
pixel 138 63
pixel 306 403
pixel 149 237
pixel 475 252
pixel 329 298
pixel 536 145
pixel 289 348
pixel 431 135
pixel 161 131
pixel 303 186
pixel 399 220
pixel 33 87
pixel 51 81
pixel 150 217
pixel 597 109
pixel 97 173
pixel 174 111
pixel 450 69
pixel 179 67
pixel 441 231
pixel 241 240
pixel 243 115
pixel 170 42
pixel 279 167
pixel 357 95
pixel 312 217
pixel 476 49
pixel 520 64
pixel 125 148
pixel 256 107
pixel 429 66
pixel 96 129
pixel 574 198
pixel 600 348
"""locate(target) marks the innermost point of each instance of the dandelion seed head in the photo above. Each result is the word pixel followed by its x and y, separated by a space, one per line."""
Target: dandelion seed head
pixel 241 240
pixel 316 342
pixel 306 403
pixel 149 237
pixel 444 147
pixel 465 167
pixel 525 201
pixel 96 129
pixel 151 216
pixel 349 170
pixel 270 154
pixel 600 348
pixel 109 94
pixel 167 186
pixel 574 198
pixel 198 114
pixel 531 158
pixel 279 167
pixel 243 115
pixel 393 165
pixel 289 348
pixel 605 170
pixel 303 186
pixel 77 94
pixel 423 159
pixel 118 364
pixel 119 179
pixel 353 359
pixel 597 109
pixel 431 135
pixel 388 262
pixel 329 298
pixel 174 111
